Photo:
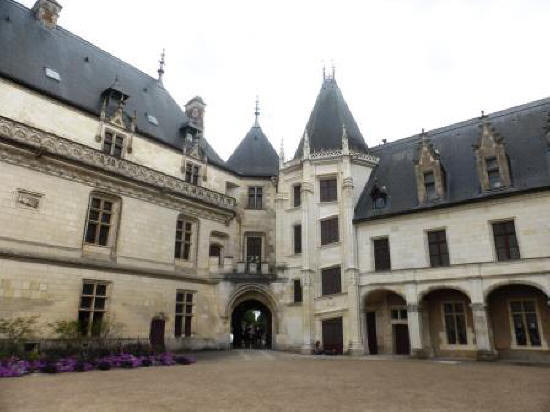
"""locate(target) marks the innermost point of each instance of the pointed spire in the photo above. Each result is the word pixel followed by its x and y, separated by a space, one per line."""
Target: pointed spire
pixel 333 71
pixel 161 66
pixel 306 146
pixel 257 113
pixel 282 154
pixel 345 140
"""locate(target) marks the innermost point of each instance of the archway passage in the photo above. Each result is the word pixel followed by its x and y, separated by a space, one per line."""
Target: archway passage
pixel 251 325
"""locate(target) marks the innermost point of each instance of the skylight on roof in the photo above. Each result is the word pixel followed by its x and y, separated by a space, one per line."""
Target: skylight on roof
pixel 52 74
pixel 152 119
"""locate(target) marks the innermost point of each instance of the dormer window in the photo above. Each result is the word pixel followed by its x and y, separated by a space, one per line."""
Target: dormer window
pixel 379 197
pixel 192 173
pixel 113 144
pixel 379 202
pixel 491 160
pixel 429 185
pixel 493 172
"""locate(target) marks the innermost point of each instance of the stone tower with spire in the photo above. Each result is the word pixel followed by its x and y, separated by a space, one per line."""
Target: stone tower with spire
pixel 317 192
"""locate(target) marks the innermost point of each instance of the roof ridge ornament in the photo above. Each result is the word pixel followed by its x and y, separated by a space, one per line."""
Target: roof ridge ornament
pixel 345 140
pixel 162 62
pixel 282 153
pixel 257 112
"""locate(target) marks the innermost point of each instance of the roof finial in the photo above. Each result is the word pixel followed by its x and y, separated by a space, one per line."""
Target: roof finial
pixel 282 153
pixel 345 141
pixel 333 70
pixel 257 112
pixel 161 66
pixel 324 71
pixel 483 114
pixel 306 149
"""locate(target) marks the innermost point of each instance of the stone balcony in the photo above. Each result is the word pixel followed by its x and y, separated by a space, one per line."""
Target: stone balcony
pixel 227 269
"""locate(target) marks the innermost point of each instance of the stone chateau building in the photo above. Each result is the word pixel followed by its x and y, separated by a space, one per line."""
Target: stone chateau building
pixel 116 206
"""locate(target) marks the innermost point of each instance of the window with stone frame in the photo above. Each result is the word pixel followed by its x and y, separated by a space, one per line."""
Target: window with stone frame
pixel 184 238
pixel 331 281
pixel 437 245
pixel 455 323
pixel 192 172
pixel 184 313
pixel 92 308
pixel 506 243
pixel 398 313
pixel 329 231
pixel 382 260
pixel 524 322
pixel 255 197
pixel 430 174
pixel 492 163
pixel 113 144
pixel 328 190
pixel 297 291
pixel 297 197
pixel 101 220
pixel 297 229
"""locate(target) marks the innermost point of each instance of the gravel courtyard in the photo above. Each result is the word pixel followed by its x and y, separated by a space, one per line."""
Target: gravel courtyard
pixel 263 380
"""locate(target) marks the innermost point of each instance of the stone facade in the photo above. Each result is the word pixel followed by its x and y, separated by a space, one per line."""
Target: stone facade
pixel 53 164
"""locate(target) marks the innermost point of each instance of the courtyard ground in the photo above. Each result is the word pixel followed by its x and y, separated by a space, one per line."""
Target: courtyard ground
pixel 272 381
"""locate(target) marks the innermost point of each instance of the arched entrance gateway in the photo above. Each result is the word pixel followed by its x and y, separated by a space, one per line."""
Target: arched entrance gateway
pixel 253 318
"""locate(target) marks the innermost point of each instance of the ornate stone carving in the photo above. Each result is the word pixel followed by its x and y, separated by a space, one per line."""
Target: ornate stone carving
pixel 28 200
pixel 43 142
pixel 428 162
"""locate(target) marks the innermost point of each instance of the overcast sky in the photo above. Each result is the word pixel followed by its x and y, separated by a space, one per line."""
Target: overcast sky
pixel 401 65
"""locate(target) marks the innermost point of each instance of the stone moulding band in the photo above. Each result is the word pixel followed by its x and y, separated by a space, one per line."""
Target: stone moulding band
pixel 51 144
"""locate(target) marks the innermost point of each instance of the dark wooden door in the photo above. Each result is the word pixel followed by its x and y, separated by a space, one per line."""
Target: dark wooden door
pixel 156 334
pixel 371 333
pixel 401 338
pixel 253 249
pixel 333 340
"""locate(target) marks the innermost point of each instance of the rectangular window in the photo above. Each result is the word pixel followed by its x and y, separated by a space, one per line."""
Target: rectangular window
pixel 297 291
pixel 493 172
pixel 331 281
pixel 255 197
pixel 525 323
pixel 100 219
pixel 398 313
pixel 437 244
pixel 328 190
pixel 297 195
pixel 506 243
pixel 382 259
pixel 455 323
pixel 298 239
pixel 113 144
pixel 92 308
pixel 184 313
pixel 192 173
pixel 184 231
pixel 429 185
pixel 329 231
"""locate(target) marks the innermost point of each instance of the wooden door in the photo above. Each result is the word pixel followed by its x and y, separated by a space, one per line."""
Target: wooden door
pixel 333 339
pixel 371 333
pixel 156 334
pixel 401 339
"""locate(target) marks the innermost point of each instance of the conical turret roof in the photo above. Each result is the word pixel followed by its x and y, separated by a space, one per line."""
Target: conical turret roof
pixel 255 156
pixel 325 123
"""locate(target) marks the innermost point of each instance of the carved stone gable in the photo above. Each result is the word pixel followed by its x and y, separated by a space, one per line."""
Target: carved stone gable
pixel 428 164
pixel 490 150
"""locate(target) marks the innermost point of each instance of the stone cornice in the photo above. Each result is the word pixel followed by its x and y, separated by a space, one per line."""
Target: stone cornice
pixel 46 153
pixel 47 143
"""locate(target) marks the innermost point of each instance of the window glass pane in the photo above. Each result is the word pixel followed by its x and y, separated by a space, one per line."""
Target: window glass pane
pixel 96 203
pixel 106 218
pixel 529 306
pixel 395 314
pixel 103 235
pixel 461 329
pixel 188 326
pixel 99 303
pixel 100 290
pixel 177 250
pixel 532 327
pixel 90 233
pixel 448 307
pixel 403 314
pixel 519 329
pixel 189 297
pixel 179 225
pixel 96 323
pixel 450 329
pixel 107 205
pixel 94 215
pixel 459 307
pixel 179 308
pixel 88 289
pixel 178 326
pixel 186 249
pixel 188 309
pixel 515 306
pixel 85 302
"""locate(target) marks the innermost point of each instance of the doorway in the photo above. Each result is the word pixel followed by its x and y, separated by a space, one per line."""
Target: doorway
pixel 251 325
pixel 333 339
pixel 371 333
pixel 156 333
pixel 401 339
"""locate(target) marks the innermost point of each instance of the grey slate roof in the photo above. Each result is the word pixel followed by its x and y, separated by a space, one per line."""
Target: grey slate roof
pixel 325 122
pixel 255 156
pixel 85 71
pixel 523 129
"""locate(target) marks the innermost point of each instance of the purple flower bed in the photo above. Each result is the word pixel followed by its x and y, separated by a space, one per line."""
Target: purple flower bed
pixel 13 367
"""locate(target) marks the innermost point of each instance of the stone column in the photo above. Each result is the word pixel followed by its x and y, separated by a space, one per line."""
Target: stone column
pixel 484 338
pixel 414 316
pixel 308 242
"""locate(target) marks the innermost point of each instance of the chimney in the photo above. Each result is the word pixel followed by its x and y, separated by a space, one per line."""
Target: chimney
pixel 47 11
